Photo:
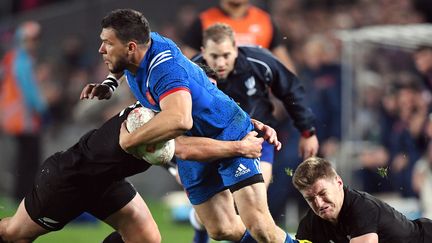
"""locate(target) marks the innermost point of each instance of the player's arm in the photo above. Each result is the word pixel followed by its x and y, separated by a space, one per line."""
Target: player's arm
pixel 288 88
pixel 366 238
pixel 102 90
pixel 278 48
pixel 174 119
pixel 281 52
pixel 268 133
pixel 207 149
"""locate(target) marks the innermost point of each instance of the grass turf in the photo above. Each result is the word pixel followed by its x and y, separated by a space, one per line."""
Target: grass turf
pixel 95 232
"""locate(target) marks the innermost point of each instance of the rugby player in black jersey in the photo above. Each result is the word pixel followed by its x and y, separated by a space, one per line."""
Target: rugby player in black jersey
pixel 90 177
pixel 339 214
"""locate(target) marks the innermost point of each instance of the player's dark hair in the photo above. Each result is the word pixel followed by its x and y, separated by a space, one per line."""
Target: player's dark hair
pixel 311 170
pixel 210 72
pixel 218 33
pixel 128 24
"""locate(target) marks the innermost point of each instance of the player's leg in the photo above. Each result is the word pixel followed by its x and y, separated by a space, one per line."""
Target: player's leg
pixel 119 205
pixel 244 179
pixel 135 223
pixel 212 202
pixel 219 217
pixel 50 205
pixel 252 206
pixel 20 227
pixel 266 162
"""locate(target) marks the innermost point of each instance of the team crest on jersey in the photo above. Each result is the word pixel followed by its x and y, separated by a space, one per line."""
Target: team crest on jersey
pixel 250 85
pixel 150 98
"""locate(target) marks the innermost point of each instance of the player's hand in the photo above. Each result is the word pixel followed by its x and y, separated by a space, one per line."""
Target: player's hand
pixel 308 147
pixel 268 133
pixel 124 139
pixel 101 91
pixel 251 145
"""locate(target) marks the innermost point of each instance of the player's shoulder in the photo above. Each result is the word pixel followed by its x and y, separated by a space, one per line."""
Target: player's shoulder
pixel 254 50
pixel 357 202
pixel 257 55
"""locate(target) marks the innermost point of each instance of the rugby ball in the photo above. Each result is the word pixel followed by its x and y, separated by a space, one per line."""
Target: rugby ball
pixel 155 154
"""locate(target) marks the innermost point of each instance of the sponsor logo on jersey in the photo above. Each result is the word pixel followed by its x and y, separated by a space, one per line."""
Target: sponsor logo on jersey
pixel 50 223
pixel 241 170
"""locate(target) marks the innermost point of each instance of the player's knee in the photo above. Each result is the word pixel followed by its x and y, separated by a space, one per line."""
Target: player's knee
pixel 14 234
pixel 143 236
pixel 154 237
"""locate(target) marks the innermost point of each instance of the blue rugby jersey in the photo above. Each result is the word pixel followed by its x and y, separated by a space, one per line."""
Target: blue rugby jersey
pixel 164 70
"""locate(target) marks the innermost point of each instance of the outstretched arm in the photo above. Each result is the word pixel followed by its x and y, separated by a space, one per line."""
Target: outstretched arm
pixel 102 90
pixel 207 149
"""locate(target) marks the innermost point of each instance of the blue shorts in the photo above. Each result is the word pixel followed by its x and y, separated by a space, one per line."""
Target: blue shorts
pixel 202 180
pixel 267 153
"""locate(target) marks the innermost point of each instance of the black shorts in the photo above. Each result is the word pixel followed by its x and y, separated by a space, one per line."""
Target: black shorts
pixel 426 227
pixel 59 195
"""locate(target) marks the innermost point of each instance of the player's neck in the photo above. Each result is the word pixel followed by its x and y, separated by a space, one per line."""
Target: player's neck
pixel 138 57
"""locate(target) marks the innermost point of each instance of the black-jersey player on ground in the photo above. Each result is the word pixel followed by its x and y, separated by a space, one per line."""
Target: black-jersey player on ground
pixel 339 214
pixel 90 177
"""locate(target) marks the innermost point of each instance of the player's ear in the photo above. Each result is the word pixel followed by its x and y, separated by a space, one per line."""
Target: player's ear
pixel 339 181
pixel 132 47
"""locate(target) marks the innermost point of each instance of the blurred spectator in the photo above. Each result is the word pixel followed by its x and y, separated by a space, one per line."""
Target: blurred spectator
pixel 252 26
pixel 422 181
pixel 22 105
pixel 321 75
pixel 423 63
pixel 71 72
pixel 25 5
pixel 425 7
pixel 177 26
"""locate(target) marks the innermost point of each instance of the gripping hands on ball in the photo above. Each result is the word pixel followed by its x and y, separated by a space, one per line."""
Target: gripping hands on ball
pixel 155 154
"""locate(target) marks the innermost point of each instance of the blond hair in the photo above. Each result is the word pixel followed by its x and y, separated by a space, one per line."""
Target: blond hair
pixel 311 170
pixel 218 33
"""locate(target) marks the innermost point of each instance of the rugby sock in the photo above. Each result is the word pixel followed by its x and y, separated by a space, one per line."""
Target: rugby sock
pixel 288 239
pixel 200 233
pixel 200 236
pixel 247 238
pixel 114 237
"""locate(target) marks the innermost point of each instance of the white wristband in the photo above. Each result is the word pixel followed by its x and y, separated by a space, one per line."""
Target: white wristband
pixel 111 82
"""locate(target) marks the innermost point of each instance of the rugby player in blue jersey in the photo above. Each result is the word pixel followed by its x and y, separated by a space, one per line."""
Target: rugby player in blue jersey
pixel 90 177
pixel 163 79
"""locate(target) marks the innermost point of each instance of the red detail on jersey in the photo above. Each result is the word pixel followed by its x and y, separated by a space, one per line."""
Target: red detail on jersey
pixel 150 98
pixel 173 91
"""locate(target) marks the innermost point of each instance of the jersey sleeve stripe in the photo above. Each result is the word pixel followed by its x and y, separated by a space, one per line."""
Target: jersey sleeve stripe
pixel 173 91
pixel 266 66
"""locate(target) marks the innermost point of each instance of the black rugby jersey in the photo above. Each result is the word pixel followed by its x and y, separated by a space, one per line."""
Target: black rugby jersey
pixel 99 154
pixel 361 214
pixel 255 72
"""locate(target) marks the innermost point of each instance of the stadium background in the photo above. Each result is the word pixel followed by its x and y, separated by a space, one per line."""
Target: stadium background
pixel 370 42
